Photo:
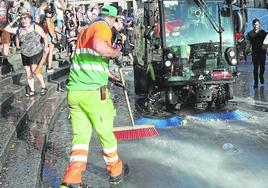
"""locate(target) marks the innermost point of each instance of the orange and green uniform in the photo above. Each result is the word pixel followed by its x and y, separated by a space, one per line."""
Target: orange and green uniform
pixel 89 72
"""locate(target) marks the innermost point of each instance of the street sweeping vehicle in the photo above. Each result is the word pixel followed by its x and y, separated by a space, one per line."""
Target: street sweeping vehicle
pixel 186 53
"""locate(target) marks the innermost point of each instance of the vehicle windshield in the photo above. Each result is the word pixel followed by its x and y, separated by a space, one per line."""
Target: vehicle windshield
pixel 188 24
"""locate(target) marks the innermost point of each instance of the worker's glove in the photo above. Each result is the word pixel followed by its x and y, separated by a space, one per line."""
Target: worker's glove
pixel 119 59
pixel 117 82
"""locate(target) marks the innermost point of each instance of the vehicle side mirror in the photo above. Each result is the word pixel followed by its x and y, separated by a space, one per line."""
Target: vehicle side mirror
pixel 239 22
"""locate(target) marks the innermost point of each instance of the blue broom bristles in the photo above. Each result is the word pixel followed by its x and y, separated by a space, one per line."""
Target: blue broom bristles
pixel 177 121
pixel 234 115
pixel 160 123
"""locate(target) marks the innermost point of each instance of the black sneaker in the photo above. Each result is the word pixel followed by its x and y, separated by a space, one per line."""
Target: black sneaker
pixel 255 86
pixel 116 180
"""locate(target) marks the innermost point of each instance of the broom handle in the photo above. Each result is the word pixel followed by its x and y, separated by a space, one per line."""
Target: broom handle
pixel 126 95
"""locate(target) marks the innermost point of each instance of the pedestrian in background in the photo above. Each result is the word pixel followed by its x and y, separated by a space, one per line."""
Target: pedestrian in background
pixel 90 102
pixel 69 17
pixel 49 29
pixel 32 49
pixel 92 12
pixel 71 35
pixel 129 42
pixel 12 14
pixel 33 9
pixel 118 38
pixel 255 39
pixel 59 22
pixel 5 36
pixel 40 16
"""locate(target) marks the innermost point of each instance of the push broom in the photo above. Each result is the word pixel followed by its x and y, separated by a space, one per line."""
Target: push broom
pixel 134 131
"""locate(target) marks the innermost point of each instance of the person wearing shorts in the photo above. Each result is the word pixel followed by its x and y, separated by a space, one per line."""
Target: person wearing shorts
pixel 32 49
pixel 49 29
pixel 5 40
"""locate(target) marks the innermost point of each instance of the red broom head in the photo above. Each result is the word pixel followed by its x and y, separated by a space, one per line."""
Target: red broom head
pixel 136 133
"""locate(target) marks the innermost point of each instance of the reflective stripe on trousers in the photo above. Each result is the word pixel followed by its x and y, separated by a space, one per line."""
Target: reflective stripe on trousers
pixel 113 163
pixel 78 161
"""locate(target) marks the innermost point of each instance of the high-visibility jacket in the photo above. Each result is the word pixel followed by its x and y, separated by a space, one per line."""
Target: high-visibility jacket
pixel 89 70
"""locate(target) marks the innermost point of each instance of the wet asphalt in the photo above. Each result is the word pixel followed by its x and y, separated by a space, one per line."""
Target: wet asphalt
pixel 196 154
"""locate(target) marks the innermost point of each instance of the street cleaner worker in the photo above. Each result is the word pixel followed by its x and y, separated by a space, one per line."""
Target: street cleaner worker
pixel 89 100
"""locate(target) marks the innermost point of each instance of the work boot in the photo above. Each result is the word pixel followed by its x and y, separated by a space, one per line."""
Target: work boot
pixel 116 180
pixel 64 185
